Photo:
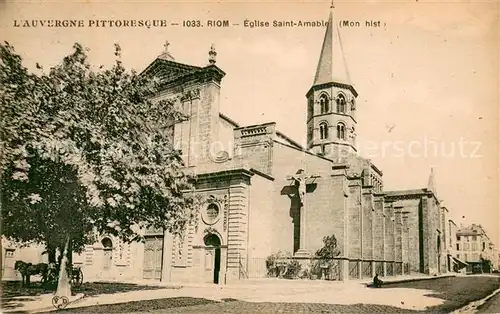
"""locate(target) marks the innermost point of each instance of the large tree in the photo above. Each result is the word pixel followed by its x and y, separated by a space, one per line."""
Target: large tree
pixel 85 149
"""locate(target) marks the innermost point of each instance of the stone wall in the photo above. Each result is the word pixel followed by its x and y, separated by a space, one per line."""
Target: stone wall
pixel 254 146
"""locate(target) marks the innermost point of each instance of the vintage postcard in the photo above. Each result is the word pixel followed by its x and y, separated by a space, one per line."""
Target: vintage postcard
pixel 250 157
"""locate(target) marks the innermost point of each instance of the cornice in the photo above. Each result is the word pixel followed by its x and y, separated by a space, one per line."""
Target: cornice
pixel 334 84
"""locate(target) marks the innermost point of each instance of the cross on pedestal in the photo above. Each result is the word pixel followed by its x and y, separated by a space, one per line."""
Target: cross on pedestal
pixel 300 180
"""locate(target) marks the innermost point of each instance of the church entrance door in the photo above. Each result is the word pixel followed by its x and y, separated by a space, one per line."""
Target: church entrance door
pixel 212 257
pixel 107 257
pixel 153 253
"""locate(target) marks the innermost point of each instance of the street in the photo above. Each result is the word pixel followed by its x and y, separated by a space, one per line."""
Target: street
pixel 492 306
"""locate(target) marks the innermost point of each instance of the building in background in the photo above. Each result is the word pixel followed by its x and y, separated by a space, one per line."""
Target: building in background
pixel 474 246
pixel 454 262
pixel 12 252
pixel 497 268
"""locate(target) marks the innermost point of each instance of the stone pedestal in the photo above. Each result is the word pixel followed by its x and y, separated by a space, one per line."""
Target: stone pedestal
pixel 302 253
pixel 304 258
pixel 344 269
pixel 231 275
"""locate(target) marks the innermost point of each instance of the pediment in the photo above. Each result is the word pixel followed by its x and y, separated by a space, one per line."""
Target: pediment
pixel 168 70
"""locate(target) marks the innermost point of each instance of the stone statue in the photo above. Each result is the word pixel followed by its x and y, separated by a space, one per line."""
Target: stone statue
pixel 212 54
pixel 300 180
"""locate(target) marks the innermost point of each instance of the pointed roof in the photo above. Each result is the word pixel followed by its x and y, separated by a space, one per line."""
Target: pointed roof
pixel 431 184
pixel 331 65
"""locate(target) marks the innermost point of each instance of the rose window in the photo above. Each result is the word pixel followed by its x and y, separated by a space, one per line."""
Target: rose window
pixel 211 214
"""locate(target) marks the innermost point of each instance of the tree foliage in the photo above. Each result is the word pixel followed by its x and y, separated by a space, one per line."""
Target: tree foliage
pixel 86 149
pixel 329 249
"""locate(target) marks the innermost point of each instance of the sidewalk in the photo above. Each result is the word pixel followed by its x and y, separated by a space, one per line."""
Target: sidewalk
pixel 275 281
pixel 262 290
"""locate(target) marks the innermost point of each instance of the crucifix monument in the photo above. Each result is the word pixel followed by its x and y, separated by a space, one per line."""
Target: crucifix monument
pixel 300 180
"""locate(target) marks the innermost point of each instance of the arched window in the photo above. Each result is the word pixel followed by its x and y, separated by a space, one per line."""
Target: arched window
pixel 323 102
pixel 107 244
pixel 341 131
pixel 323 130
pixel 341 103
pixel 212 240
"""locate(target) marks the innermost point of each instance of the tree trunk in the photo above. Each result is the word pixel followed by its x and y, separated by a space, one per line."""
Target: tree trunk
pixel 61 254
pixel 1 258
pixel 70 253
pixel 51 252
pixel 1 237
pixel 63 286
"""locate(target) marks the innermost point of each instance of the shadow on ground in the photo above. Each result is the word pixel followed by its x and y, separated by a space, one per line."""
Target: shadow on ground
pixel 456 291
pixel 14 294
pixel 140 306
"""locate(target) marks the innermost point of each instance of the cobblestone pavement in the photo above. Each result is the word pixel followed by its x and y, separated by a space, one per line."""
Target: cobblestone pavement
pixel 291 308
pixel 288 308
pixel 191 305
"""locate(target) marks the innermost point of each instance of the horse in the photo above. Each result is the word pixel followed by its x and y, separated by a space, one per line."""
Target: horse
pixel 28 269
pixel 23 269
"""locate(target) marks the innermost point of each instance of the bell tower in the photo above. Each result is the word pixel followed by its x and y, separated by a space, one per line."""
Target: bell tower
pixel 331 101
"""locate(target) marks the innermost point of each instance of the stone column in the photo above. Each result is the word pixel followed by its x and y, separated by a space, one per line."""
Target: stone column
pixel 389 255
pixel 237 230
pixel 166 272
pixel 406 241
pixel 425 235
pixel 378 232
pixel 398 229
pixel 302 241
pixel 344 264
pixel 398 224
pixel 355 220
pixel 367 230
pixel 302 251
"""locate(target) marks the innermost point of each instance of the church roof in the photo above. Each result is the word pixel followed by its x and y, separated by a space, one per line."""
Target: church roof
pixel 167 69
pixel 331 65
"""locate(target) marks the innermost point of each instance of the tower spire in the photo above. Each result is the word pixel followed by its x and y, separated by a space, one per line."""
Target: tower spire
pixel 431 184
pixel 331 65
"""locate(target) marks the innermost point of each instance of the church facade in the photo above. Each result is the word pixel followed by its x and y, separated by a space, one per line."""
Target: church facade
pixel 266 193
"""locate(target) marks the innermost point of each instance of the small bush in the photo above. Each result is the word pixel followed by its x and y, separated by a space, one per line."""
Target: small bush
pixel 293 269
pixel 282 265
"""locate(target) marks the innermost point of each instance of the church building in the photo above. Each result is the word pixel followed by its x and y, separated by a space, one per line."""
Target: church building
pixel 267 193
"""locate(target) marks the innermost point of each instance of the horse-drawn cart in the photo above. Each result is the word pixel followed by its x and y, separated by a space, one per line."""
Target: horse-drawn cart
pixel 48 272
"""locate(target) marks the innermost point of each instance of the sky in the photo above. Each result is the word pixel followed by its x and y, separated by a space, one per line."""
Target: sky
pixel 427 78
